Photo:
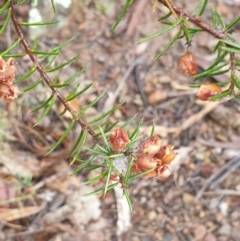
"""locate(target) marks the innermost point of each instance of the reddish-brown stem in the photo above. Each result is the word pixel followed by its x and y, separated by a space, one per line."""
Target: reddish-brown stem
pixel 196 20
pixel 47 80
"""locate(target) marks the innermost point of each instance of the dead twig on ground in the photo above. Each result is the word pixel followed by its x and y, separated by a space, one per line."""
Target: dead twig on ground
pixel 219 176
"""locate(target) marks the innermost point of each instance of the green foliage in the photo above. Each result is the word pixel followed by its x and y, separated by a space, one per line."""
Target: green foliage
pixel 100 154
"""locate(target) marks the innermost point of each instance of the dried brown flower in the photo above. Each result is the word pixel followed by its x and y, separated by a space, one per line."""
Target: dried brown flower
pixel 119 139
pixel 208 90
pixel 187 64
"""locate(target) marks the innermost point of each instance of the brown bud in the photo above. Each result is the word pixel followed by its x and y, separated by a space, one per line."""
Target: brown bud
pixel 166 154
pixel 8 91
pixel 7 70
pixel 187 64
pixel 145 162
pixel 119 139
pixel 208 90
pixel 150 146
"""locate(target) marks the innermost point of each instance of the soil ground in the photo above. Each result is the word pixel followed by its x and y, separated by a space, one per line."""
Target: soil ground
pixel 200 201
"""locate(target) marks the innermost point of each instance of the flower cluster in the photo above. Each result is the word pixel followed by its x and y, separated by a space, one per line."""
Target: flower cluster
pixel 153 157
pixel 8 91
pixel 149 156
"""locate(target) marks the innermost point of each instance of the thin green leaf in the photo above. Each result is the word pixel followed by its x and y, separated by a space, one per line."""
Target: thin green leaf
pixel 96 152
pixel 121 15
pixel 128 122
pixel 3 28
pixel 4 7
pixel 68 81
pixel 53 6
pixel 62 137
pixel 80 168
pixel 210 71
pixel 186 33
pixel 64 64
pixel 43 53
pixel 219 18
pixel 200 9
pixel 140 174
pixel 48 108
pixel 62 45
pixel 167 22
pixel 110 127
pixel 45 103
pixel 110 187
pixel 160 32
pixel 168 46
pixel 165 16
pixel 232 50
pixel 92 103
pixel 107 180
pixel 105 139
pixel 234 22
pixel 106 113
pixel 72 95
pixel 128 173
pixel 115 155
pixel 125 193
pixel 25 76
pixel 136 131
pixel 220 96
pixel 32 86
pixel 35 44
pixel 103 149
pixel 14 55
pixel 14 45
pixel 214 17
pixel 79 139
pixel 230 43
pixel 152 129
pixel 95 179
pixel 235 81
pixel 38 23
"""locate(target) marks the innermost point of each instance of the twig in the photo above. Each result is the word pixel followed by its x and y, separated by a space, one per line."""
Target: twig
pixel 140 87
pixel 124 214
pixel 219 176
pixel 47 80
pixel 195 20
pixel 223 192
pixel 195 118
pixel 213 143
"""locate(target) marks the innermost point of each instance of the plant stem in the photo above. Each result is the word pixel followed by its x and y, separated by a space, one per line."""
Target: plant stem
pixel 47 80
pixel 195 20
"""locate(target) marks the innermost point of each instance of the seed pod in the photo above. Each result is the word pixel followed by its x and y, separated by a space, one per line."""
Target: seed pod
pixel 150 146
pixel 119 139
pixel 187 64
pixel 166 154
pixel 7 70
pixel 208 90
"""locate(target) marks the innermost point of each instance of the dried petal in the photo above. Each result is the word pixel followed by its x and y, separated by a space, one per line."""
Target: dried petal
pixel 119 139
pixel 163 173
pixel 7 70
pixel 187 64
pixel 145 162
pixel 8 91
pixel 166 154
pixel 208 90
pixel 150 146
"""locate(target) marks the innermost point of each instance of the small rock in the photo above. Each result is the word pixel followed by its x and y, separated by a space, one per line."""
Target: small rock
pixel 156 97
pixel 152 215
pixel 225 229
pixel 210 237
